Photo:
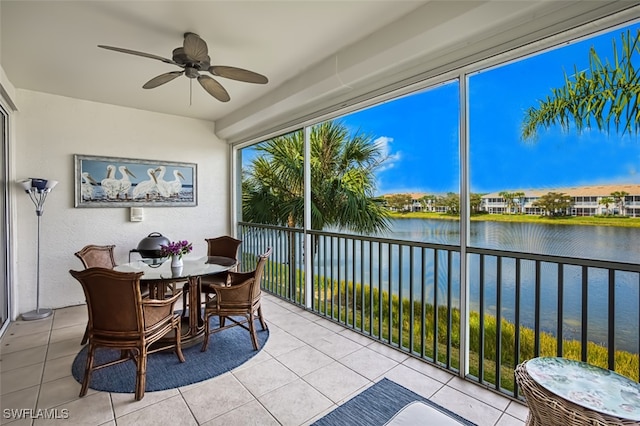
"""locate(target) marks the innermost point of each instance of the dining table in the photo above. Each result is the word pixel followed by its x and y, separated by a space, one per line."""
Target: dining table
pixel 161 279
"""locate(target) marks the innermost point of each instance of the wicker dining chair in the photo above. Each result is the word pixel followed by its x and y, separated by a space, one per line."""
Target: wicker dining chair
pixel 240 297
pixel 119 318
pixel 224 246
pixel 95 256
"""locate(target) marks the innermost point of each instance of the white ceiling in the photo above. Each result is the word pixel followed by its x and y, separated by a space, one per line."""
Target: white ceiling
pixel 51 46
pixel 315 53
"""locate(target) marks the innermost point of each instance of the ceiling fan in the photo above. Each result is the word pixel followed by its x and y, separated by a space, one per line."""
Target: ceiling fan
pixel 193 58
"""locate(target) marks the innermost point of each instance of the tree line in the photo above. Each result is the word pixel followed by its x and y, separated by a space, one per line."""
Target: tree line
pixel 550 204
pixel 446 203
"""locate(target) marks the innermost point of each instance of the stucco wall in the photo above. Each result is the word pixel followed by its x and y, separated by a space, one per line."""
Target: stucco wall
pixel 48 131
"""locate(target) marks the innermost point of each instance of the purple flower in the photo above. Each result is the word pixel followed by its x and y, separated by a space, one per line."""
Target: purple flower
pixel 176 248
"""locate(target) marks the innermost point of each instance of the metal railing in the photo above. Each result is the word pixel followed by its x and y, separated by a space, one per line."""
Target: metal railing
pixel 407 295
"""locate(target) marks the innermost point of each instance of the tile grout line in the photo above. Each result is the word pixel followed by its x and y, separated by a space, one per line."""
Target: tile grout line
pixel 44 363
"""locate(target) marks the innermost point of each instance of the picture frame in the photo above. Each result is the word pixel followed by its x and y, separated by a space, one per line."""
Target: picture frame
pixel 129 182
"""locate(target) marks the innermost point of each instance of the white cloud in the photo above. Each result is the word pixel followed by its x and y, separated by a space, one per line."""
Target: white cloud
pixel 384 144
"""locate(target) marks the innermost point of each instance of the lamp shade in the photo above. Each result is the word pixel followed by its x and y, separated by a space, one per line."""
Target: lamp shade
pixel 51 184
pixel 25 183
pixel 37 184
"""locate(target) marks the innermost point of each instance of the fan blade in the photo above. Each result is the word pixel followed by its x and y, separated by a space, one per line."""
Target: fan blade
pixel 195 48
pixel 134 52
pixel 214 88
pixel 161 79
pixel 238 74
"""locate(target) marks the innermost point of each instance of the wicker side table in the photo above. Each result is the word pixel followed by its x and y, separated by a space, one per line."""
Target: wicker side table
pixel 549 409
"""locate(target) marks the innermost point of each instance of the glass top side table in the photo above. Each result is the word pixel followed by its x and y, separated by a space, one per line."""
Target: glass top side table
pixel 593 388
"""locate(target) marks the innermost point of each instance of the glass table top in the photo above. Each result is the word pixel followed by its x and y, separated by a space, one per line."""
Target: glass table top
pixel 206 265
pixel 589 386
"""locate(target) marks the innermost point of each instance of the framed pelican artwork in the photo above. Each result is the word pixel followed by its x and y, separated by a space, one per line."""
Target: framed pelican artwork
pixel 128 182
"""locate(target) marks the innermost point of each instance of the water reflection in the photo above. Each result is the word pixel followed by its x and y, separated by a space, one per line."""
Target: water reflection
pixel 394 270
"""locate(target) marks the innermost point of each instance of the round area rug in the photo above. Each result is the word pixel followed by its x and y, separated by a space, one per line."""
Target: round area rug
pixel 227 350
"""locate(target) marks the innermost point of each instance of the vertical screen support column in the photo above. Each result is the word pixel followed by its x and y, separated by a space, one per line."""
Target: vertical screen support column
pixel 464 225
pixel 307 249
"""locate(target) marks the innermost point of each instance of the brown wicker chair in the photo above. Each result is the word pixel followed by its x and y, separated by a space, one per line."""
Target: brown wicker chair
pixel 224 246
pixel 94 256
pixel 547 409
pixel 241 297
pixel 120 319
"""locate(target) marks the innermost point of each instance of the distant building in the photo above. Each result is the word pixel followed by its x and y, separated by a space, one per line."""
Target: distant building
pixel 585 201
pixel 416 204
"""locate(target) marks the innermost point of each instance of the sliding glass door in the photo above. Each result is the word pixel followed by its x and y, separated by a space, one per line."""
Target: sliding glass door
pixel 4 246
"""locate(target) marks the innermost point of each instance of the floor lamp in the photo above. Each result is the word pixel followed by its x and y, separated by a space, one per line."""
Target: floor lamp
pixel 38 189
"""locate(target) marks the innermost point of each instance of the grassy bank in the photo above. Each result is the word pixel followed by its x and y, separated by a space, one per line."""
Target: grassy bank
pixel 440 339
pixel 437 338
pixel 629 222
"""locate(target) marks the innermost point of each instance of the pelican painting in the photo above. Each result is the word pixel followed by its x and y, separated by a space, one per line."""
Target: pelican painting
pixel 146 188
pixel 88 186
pixel 164 189
pixel 175 185
pixel 110 184
pixel 124 184
pixel 129 182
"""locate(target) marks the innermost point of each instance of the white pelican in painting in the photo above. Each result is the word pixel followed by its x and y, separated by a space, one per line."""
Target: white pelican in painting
pixel 110 183
pixel 87 186
pixel 124 183
pixel 175 185
pixel 146 187
pixel 164 189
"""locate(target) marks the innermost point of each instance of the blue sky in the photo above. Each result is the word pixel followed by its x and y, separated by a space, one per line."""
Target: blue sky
pixel 419 132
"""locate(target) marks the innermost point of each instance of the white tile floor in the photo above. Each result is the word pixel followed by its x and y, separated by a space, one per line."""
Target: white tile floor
pixel 307 368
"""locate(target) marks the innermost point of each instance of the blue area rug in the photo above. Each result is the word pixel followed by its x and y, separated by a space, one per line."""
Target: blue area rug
pixel 377 405
pixel 227 350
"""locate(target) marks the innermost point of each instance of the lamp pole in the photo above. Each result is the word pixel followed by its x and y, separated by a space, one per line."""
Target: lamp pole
pixel 37 190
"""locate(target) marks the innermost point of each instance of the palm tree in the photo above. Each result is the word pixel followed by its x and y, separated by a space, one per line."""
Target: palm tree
pixel 342 181
pixel 618 198
pixel 603 93
pixel 475 201
pixel 429 202
pixel 605 201
pixel 508 199
pixel 342 184
pixel 519 195
pixel 451 203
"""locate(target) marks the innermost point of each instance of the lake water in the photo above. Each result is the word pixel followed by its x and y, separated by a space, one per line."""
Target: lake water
pixel 593 242
pixel 353 262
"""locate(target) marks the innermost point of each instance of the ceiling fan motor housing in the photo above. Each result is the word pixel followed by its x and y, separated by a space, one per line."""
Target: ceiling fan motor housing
pixel 191 72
